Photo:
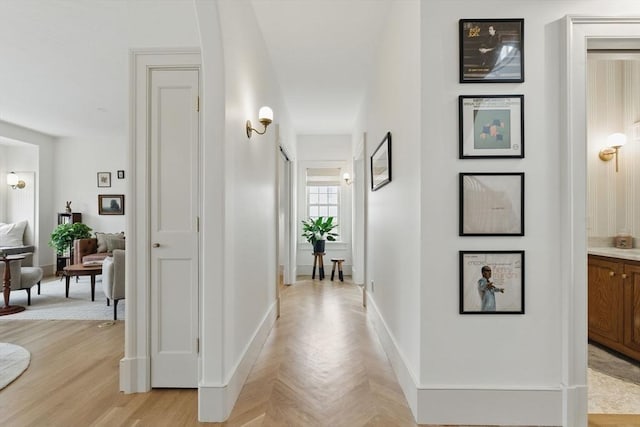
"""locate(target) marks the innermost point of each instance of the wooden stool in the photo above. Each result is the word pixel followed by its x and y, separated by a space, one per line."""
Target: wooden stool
pixel 317 260
pixel 338 261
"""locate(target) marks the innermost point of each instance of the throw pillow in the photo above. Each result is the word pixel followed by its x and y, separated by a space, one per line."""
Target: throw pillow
pixel 102 240
pixel 11 234
pixel 115 242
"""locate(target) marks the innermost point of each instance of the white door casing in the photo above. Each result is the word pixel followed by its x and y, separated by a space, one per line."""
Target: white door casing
pixel 579 31
pixel 173 200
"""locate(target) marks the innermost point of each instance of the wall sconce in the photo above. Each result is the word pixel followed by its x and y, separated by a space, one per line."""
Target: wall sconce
pixel 15 182
pixel 615 141
pixel 347 178
pixel 265 116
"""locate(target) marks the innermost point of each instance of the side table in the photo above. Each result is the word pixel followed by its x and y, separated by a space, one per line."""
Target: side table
pixel 6 284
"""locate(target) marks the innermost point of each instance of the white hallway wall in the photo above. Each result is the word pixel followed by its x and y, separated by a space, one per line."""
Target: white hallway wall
pixel 525 351
pixel 239 276
pixel 393 235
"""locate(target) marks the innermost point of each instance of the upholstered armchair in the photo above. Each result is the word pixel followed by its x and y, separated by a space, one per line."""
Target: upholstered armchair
pixel 113 279
pixel 23 277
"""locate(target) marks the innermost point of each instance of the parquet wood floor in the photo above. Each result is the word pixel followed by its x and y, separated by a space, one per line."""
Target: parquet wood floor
pixel 322 365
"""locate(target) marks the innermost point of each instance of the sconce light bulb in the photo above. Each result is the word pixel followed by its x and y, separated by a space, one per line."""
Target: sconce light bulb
pixel 265 114
pixel 616 139
pixel 12 179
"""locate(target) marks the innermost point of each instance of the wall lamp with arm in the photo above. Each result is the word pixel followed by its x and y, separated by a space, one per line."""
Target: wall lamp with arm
pixel 265 116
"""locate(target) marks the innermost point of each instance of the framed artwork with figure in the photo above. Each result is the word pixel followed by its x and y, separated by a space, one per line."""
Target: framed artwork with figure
pixel 492 282
pixel 491 50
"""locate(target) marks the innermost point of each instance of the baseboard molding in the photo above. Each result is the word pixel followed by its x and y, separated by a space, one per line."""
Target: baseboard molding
pixel 133 375
pixel 496 406
pixel 215 401
pixel 47 270
pixel 576 406
pixel 469 405
pixel 405 378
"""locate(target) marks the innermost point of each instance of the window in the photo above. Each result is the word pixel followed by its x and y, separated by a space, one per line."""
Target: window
pixel 323 193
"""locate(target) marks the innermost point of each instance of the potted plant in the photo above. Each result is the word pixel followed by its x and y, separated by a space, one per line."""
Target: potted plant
pixel 64 234
pixel 316 231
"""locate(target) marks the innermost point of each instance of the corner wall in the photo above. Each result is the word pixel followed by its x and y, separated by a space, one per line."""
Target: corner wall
pixel 393 212
pixel 522 363
pixel 240 178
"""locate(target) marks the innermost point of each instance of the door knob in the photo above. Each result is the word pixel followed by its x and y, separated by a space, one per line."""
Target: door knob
pixel 156 245
pixel 624 276
pixel 612 273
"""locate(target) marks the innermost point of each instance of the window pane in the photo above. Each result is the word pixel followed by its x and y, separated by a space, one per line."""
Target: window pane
pixel 333 199
pixel 333 189
pixel 322 199
pixel 324 211
pixel 313 199
pixel 313 211
pixel 322 189
pixel 333 211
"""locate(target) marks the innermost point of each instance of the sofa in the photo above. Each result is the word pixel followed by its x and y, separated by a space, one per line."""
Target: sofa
pixel 96 249
pixel 113 279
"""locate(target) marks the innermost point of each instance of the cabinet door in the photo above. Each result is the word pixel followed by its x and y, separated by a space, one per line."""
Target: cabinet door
pixel 605 301
pixel 632 306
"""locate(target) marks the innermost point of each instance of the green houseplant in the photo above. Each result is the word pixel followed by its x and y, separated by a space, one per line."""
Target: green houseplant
pixel 64 234
pixel 316 231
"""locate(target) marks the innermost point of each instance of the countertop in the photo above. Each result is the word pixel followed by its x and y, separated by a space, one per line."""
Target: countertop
pixel 631 254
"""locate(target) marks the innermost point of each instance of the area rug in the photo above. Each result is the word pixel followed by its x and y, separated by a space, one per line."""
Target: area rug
pixel 51 304
pixel 13 362
pixel 613 382
pixel 614 364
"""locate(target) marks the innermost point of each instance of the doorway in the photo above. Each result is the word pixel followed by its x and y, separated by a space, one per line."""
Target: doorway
pixel 580 32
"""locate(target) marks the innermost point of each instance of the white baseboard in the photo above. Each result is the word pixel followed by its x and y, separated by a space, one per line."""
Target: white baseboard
pixel 405 378
pixel 133 375
pixel 497 406
pixel 215 401
pixel 576 406
pixel 469 405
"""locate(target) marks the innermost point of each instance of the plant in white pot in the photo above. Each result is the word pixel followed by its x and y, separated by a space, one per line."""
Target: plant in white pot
pixel 318 230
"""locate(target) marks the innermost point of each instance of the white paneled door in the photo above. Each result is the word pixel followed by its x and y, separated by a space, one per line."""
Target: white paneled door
pixel 174 195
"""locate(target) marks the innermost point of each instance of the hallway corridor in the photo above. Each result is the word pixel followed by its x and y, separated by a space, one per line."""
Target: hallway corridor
pixel 322 365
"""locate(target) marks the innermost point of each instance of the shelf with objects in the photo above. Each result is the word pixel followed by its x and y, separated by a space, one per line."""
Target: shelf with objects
pixel 65 259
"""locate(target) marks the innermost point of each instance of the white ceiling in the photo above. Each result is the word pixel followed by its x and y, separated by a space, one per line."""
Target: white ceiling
pixel 322 52
pixel 63 71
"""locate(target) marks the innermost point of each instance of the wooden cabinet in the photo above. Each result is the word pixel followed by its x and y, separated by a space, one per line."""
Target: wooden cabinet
pixel 614 304
pixel 62 260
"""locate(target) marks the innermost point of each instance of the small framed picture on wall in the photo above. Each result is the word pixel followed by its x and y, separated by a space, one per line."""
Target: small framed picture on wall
pixel 491 50
pixel 492 204
pixel 491 282
pixel 491 126
pixel 104 179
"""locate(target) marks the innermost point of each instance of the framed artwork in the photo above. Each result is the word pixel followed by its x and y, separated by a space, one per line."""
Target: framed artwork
pixel 491 50
pixel 104 179
pixel 492 204
pixel 491 282
pixel 381 164
pixel 111 204
pixel 120 174
pixel 491 126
